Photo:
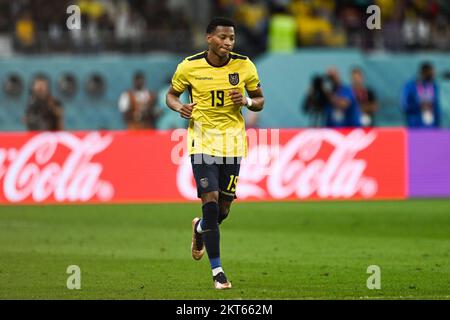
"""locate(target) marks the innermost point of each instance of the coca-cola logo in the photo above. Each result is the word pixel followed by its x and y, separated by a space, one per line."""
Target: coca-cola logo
pixel 32 170
pixel 296 170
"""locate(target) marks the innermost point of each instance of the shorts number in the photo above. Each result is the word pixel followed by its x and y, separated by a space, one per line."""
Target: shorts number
pixel 233 183
pixel 219 96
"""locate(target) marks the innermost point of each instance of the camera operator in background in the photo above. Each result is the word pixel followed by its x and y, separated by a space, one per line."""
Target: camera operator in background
pixel 343 110
pixel 316 101
pixel 43 112
pixel 365 97
pixel 331 104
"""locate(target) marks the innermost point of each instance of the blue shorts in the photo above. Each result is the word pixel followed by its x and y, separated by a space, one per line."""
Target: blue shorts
pixel 216 174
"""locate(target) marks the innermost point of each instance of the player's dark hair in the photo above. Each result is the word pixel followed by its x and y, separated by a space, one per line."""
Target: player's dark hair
pixel 222 22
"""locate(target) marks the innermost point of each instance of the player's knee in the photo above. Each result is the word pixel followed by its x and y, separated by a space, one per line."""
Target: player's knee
pixel 210 197
pixel 211 215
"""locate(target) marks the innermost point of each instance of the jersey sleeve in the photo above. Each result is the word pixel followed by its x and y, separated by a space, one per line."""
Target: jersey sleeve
pixel 252 83
pixel 179 79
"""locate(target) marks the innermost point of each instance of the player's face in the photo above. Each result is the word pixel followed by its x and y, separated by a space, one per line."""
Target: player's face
pixel 221 41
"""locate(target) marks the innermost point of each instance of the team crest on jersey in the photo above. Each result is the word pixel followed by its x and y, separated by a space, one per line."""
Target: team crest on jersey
pixel 234 78
pixel 204 182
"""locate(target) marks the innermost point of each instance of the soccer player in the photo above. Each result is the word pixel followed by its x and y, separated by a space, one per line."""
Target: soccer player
pixel 216 80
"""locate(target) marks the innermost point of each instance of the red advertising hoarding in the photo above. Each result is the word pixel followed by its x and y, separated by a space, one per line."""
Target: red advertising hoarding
pixel 149 166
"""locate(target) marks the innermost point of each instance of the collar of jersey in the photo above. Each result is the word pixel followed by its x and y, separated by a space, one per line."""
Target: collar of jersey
pixel 206 58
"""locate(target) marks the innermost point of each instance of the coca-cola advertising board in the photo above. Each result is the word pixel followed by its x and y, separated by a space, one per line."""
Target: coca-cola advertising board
pixel 152 166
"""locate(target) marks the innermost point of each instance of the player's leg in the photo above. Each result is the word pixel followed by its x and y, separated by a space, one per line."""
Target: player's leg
pixel 220 204
pixel 209 229
pixel 207 176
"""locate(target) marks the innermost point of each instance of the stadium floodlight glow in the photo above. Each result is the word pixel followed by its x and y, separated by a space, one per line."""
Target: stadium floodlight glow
pixel 13 85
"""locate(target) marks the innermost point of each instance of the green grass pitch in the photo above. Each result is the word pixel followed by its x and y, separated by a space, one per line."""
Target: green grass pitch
pixel 313 250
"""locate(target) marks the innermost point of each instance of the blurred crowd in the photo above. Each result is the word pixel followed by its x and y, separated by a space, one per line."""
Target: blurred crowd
pixel 178 26
pixel 405 24
pixel 39 26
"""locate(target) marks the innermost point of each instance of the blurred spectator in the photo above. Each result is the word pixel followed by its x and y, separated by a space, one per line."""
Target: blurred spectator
pixel 420 100
pixel 95 20
pixel 44 112
pixel 416 31
pixel 282 31
pixel 441 31
pixel 352 15
pixel 343 109
pixel 129 25
pixel 313 29
pixel 252 16
pixel 5 18
pixel 365 97
pixel 93 9
pixel 316 25
pixel 25 31
pixel 138 105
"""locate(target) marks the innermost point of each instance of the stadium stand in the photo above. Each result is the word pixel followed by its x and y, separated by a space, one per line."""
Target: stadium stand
pixel 37 26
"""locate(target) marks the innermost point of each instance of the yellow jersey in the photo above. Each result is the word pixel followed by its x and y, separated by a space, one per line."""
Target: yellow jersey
pixel 217 126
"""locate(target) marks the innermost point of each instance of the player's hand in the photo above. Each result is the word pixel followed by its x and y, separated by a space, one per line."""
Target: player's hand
pixel 186 110
pixel 237 97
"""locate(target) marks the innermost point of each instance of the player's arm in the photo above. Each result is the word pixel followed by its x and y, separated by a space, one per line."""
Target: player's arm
pixel 255 101
pixel 174 103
